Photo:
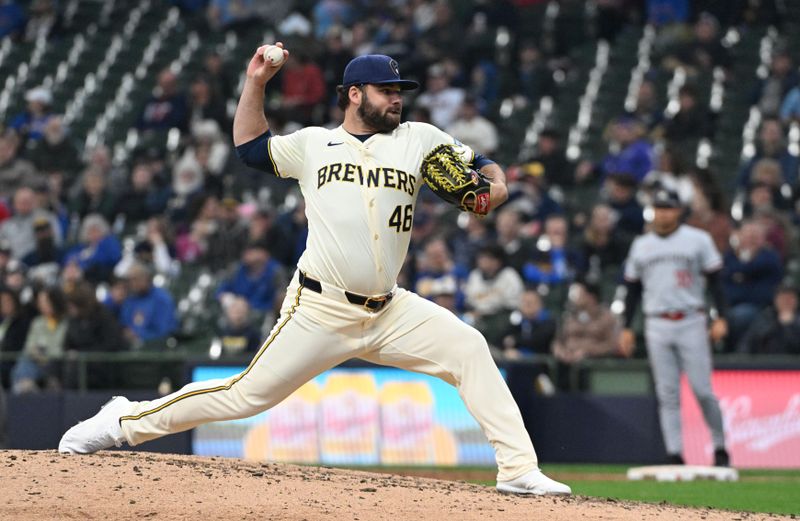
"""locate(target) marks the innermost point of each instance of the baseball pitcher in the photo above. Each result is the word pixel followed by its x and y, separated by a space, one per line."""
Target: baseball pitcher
pixel 668 268
pixel 360 183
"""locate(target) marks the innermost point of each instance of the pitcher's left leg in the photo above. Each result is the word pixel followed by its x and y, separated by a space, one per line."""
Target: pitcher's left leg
pixel 416 334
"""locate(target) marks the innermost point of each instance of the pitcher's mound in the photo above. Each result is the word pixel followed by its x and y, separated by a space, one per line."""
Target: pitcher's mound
pixel 136 485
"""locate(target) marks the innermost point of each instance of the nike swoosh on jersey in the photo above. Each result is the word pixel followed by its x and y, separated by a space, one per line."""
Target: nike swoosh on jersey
pixel 332 144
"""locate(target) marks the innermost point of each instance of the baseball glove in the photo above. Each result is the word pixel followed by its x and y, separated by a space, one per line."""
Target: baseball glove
pixel 449 176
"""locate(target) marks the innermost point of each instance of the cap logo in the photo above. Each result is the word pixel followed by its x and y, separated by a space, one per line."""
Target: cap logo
pixel 394 67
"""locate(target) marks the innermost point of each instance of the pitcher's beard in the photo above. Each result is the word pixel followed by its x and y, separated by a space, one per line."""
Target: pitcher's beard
pixel 372 117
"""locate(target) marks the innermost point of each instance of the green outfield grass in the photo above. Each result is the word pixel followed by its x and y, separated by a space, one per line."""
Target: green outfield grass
pixel 767 491
pixel 771 491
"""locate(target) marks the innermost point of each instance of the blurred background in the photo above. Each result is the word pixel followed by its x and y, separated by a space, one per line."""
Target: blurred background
pixel 135 247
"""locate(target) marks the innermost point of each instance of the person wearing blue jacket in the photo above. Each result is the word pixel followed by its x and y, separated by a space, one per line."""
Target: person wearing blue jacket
pixel 752 271
pixel 259 278
pixel 629 153
pixel 148 312
pixel 99 250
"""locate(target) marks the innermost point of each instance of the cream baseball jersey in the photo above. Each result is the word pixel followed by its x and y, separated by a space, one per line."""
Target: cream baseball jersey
pixel 359 199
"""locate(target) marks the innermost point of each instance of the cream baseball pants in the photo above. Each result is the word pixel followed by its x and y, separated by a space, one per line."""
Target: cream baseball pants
pixel 317 331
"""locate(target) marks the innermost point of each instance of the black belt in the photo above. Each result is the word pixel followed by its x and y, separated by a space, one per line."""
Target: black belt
pixel 374 304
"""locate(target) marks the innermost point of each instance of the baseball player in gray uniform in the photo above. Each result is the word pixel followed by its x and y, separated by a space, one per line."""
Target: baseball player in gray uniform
pixel 360 183
pixel 671 265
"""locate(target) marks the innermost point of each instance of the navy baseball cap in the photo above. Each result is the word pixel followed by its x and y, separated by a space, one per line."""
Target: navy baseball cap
pixel 375 69
pixel 664 198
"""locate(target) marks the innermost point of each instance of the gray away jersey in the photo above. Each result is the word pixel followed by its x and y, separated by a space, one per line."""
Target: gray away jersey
pixel 671 269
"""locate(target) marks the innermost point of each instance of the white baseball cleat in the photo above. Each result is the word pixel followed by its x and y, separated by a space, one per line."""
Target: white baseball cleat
pixel 101 431
pixel 533 482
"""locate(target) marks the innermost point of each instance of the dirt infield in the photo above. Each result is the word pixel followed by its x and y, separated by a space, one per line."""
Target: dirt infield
pixel 135 486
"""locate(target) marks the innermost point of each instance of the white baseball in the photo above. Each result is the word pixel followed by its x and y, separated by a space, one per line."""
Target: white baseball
pixel 274 55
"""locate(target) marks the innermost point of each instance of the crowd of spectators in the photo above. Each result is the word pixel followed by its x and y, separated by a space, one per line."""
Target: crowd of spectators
pixel 87 243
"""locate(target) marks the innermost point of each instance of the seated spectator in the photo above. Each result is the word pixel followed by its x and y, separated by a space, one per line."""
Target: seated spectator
pixel 648 108
pixel 485 83
pixel 467 242
pixel 17 231
pixel 30 124
pixel 44 21
pixel 443 100
pixel 226 243
pixel 144 197
pixel 259 278
pixel 790 107
pixel 5 259
pixel 530 330
pixel 552 263
pixel 188 192
pixel 12 20
pixel 44 262
pixel 203 105
pixel 551 161
pixel 99 158
pixel 99 249
pixel 15 320
pixel 613 16
pixel 147 313
pixel 776 330
pixel 222 84
pixel 752 270
pixel 621 197
pixel 90 328
pixel 474 130
pixel 708 212
pixel 531 77
pixel 436 263
pixel 771 145
pixel 629 153
pixel 70 276
pixel 780 234
pixel 39 365
pixel 302 88
pixel 691 123
pixel 443 292
pixel 15 276
pixel 94 197
pixel 589 329
pixel 14 170
pixel 765 190
pixel 701 53
pixel 602 247
pixel 517 248
pixel 772 90
pixel 116 292
pixel 664 13
pixel 236 331
pixel 224 15
pixel 440 35
pixel 55 153
pixel 152 250
pixel 336 55
pixel 50 196
pixel 166 108
pixel 670 173
pixel 492 291
pixel 191 244
pixel 529 196
pixel 210 151
pixel 329 13
pixel 293 225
